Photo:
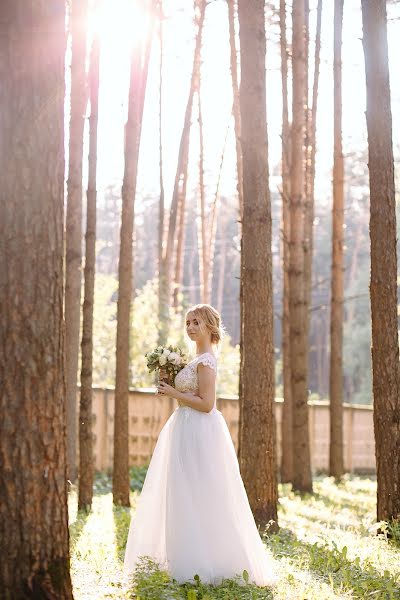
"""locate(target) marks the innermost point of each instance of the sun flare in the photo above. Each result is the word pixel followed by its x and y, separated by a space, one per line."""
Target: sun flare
pixel 120 22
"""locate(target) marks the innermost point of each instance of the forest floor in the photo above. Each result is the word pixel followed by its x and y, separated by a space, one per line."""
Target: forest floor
pixel 326 548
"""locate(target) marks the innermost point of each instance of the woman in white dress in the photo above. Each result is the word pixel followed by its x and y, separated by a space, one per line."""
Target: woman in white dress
pixel 193 515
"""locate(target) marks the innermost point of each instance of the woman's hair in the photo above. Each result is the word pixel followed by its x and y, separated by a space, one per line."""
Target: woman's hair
pixel 210 319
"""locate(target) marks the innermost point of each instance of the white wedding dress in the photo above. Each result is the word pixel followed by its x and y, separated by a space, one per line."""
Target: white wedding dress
pixel 193 515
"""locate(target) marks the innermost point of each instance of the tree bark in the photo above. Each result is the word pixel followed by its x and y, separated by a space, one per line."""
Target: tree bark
pixel 162 304
pixel 86 466
pixel 257 435
pixel 34 542
pixel 73 264
pixel 336 466
pixel 302 480
pixel 310 176
pixel 222 260
pixel 383 285
pixel 236 101
pixel 202 221
pixel 214 219
pixel 287 415
pixel 239 161
pixel 180 247
pixel 137 88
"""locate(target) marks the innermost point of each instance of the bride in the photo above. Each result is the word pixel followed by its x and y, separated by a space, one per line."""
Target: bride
pixel 193 515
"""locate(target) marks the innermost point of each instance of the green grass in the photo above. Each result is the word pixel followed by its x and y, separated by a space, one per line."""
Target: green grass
pixel 327 548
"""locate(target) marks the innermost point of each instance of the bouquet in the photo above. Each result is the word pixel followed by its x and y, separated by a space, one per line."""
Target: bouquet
pixel 171 359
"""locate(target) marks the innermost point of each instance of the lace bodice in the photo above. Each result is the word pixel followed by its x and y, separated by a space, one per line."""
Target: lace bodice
pixel 187 379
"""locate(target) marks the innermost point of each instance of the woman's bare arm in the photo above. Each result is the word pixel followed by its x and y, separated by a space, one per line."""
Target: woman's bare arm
pixel 204 400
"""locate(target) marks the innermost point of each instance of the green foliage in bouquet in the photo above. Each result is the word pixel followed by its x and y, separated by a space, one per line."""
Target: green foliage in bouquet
pixel 171 359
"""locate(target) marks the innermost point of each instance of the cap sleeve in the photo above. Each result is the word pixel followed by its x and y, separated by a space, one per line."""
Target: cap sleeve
pixel 208 360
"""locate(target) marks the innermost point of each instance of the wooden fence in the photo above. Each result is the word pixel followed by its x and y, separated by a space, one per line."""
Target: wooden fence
pixel 148 412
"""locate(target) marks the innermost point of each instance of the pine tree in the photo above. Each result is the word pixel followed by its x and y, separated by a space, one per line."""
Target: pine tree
pixel 257 432
pixel 33 484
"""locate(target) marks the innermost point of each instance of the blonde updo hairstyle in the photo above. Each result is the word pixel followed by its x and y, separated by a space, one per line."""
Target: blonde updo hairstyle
pixel 209 319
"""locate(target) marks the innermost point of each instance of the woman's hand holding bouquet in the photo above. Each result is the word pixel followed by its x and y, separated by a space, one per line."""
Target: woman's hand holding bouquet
pixel 168 361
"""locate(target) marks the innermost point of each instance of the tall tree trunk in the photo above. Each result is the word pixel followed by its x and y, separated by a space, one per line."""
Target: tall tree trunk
pixel 239 160
pixel 336 466
pixel 383 286
pixel 287 417
pixel 137 88
pixel 310 175
pixel 307 123
pixel 170 245
pixel 208 220
pixel 192 261
pixel 222 260
pixel 73 264
pixel 236 102
pixel 163 303
pixel 214 219
pixel 86 466
pixel 320 351
pixel 257 435
pixel 302 480
pixel 202 221
pixel 33 484
pixel 180 247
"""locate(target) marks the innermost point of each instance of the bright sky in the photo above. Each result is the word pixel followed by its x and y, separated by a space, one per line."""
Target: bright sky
pixel 117 25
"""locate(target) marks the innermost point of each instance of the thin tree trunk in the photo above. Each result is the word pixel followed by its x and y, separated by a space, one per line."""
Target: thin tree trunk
pixel 320 351
pixel 336 466
pixel 287 417
pixel 302 480
pixel 310 175
pixel 354 266
pixel 86 466
pixel 180 246
pixel 73 264
pixel 383 286
pixel 214 218
pixel 222 261
pixel 137 88
pixel 180 254
pixel 239 162
pixel 162 304
pixel 311 147
pixel 166 263
pixel 34 543
pixel 236 103
pixel 202 234
pixel 207 223
pixel 307 126
pixel 192 280
pixel 257 435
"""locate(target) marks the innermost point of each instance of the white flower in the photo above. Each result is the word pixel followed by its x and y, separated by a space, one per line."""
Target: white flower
pixel 162 360
pixel 166 352
pixel 175 358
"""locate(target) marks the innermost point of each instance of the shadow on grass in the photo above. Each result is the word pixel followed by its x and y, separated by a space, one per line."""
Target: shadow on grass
pixel 76 528
pixel 336 505
pixel 333 566
pixel 327 500
pixel 122 518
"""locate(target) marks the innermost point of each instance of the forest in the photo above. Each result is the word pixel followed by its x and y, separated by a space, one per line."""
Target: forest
pixel 160 154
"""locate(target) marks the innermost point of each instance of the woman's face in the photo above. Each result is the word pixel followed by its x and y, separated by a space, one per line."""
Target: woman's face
pixel 193 328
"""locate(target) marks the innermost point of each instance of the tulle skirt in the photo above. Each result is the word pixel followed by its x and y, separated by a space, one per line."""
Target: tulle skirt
pixel 193 515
